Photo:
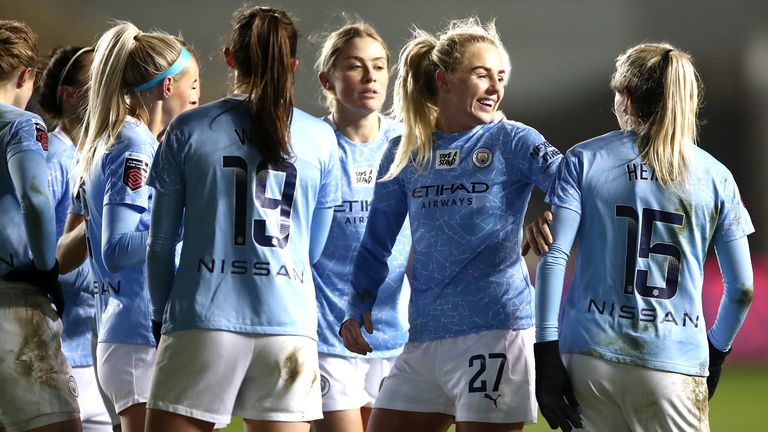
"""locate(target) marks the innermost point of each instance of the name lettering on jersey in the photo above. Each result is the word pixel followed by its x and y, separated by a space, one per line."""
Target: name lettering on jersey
pixel 248 268
pixel 630 312
pixel 41 135
pixel 243 136
pixel 107 287
pixel 135 170
pixel 9 262
pixel 363 176
pixel 640 171
pixel 482 157
pixel 447 159
pixel 353 206
pixel 545 151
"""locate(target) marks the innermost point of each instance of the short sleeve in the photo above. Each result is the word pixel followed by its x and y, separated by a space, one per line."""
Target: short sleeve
pixel 540 159
pixel 734 221
pixel 566 189
pixel 389 195
pixel 166 174
pixel 329 192
pixel 125 174
pixel 27 134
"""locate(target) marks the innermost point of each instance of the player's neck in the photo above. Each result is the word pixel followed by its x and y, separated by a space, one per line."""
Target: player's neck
pixel 357 127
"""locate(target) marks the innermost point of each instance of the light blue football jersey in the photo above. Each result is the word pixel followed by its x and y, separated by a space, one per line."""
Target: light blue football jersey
pixel 76 285
pixel 119 177
pixel 332 275
pixel 245 256
pixel 20 131
pixel 636 293
pixel 466 212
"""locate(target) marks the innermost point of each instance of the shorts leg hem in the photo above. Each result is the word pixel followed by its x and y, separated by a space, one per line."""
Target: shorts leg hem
pixel 189 412
pixel 412 407
pixel 40 421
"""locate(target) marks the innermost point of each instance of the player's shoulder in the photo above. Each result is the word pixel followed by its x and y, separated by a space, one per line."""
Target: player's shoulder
pixel 512 131
pixel 14 119
pixel 609 141
pixel 209 113
pixel 390 128
pixel 134 137
pixel 704 163
pixel 60 146
pixel 308 130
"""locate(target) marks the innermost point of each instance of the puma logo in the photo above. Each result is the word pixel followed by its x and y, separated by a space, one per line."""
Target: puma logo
pixel 487 396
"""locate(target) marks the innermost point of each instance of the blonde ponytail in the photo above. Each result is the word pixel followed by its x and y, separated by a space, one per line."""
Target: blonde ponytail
pixel 664 91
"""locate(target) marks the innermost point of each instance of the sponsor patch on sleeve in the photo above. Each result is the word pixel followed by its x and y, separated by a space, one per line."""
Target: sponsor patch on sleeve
pixel 41 135
pixel 135 170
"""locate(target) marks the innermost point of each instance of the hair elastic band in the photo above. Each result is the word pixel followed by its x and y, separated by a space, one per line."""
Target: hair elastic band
pixel 178 66
pixel 66 69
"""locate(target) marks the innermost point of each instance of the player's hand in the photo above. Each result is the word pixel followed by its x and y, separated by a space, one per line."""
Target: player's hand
pixel 157 327
pixel 537 235
pixel 353 337
pixel 716 360
pixel 47 280
pixel 553 388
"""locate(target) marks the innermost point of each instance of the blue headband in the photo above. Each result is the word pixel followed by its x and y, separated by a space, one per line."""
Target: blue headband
pixel 178 66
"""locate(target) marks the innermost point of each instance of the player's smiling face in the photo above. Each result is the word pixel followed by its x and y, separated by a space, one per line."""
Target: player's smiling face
pixel 360 76
pixel 471 94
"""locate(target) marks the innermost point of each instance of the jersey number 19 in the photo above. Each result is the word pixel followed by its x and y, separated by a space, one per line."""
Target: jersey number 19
pixel 259 226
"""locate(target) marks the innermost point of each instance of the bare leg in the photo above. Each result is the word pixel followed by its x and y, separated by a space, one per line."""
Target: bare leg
pixel 132 419
pixel 387 420
pixel 489 427
pixel 339 421
pixel 159 420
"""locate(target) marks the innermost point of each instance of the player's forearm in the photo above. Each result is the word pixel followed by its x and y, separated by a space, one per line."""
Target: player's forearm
pixel 738 289
pixel 122 246
pixel 161 250
pixel 550 273
pixel 29 173
pixel 72 248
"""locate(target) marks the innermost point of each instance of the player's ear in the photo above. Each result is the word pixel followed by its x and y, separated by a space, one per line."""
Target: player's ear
pixel 25 75
pixel 325 81
pixel 228 58
pixel 441 78
pixel 167 87
pixel 294 63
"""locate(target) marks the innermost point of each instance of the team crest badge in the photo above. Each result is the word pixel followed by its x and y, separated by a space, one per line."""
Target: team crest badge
pixel 135 170
pixel 41 135
pixel 73 386
pixel 482 157
pixel 325 385
pixel 447 159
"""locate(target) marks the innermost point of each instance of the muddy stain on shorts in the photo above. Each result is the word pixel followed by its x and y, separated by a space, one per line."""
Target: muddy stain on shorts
pixel 292 367
pixel 696 392
pixel 35 358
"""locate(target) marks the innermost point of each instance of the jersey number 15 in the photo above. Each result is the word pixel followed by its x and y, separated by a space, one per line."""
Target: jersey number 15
pixel 637 279
pixel 259 226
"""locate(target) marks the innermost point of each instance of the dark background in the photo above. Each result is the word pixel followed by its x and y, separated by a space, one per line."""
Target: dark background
pixel 562 57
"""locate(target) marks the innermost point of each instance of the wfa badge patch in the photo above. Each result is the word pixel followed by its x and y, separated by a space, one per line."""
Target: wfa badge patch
pixel 482 157
pixel 447 159
pixel 363 176
pixel 135 170
pixel 41 135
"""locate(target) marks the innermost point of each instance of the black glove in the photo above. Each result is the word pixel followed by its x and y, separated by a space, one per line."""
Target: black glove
pixel 716 360
pixel 157 326
pixel 553 388
pixel 47 280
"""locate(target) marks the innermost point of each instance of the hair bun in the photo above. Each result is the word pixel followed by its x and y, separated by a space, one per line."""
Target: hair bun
pixel 137 36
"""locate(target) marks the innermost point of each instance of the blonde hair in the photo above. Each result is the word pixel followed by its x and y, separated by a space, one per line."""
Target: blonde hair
pixel 124 59
pixel 415 99
pixel 335 42
pixel 664 91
